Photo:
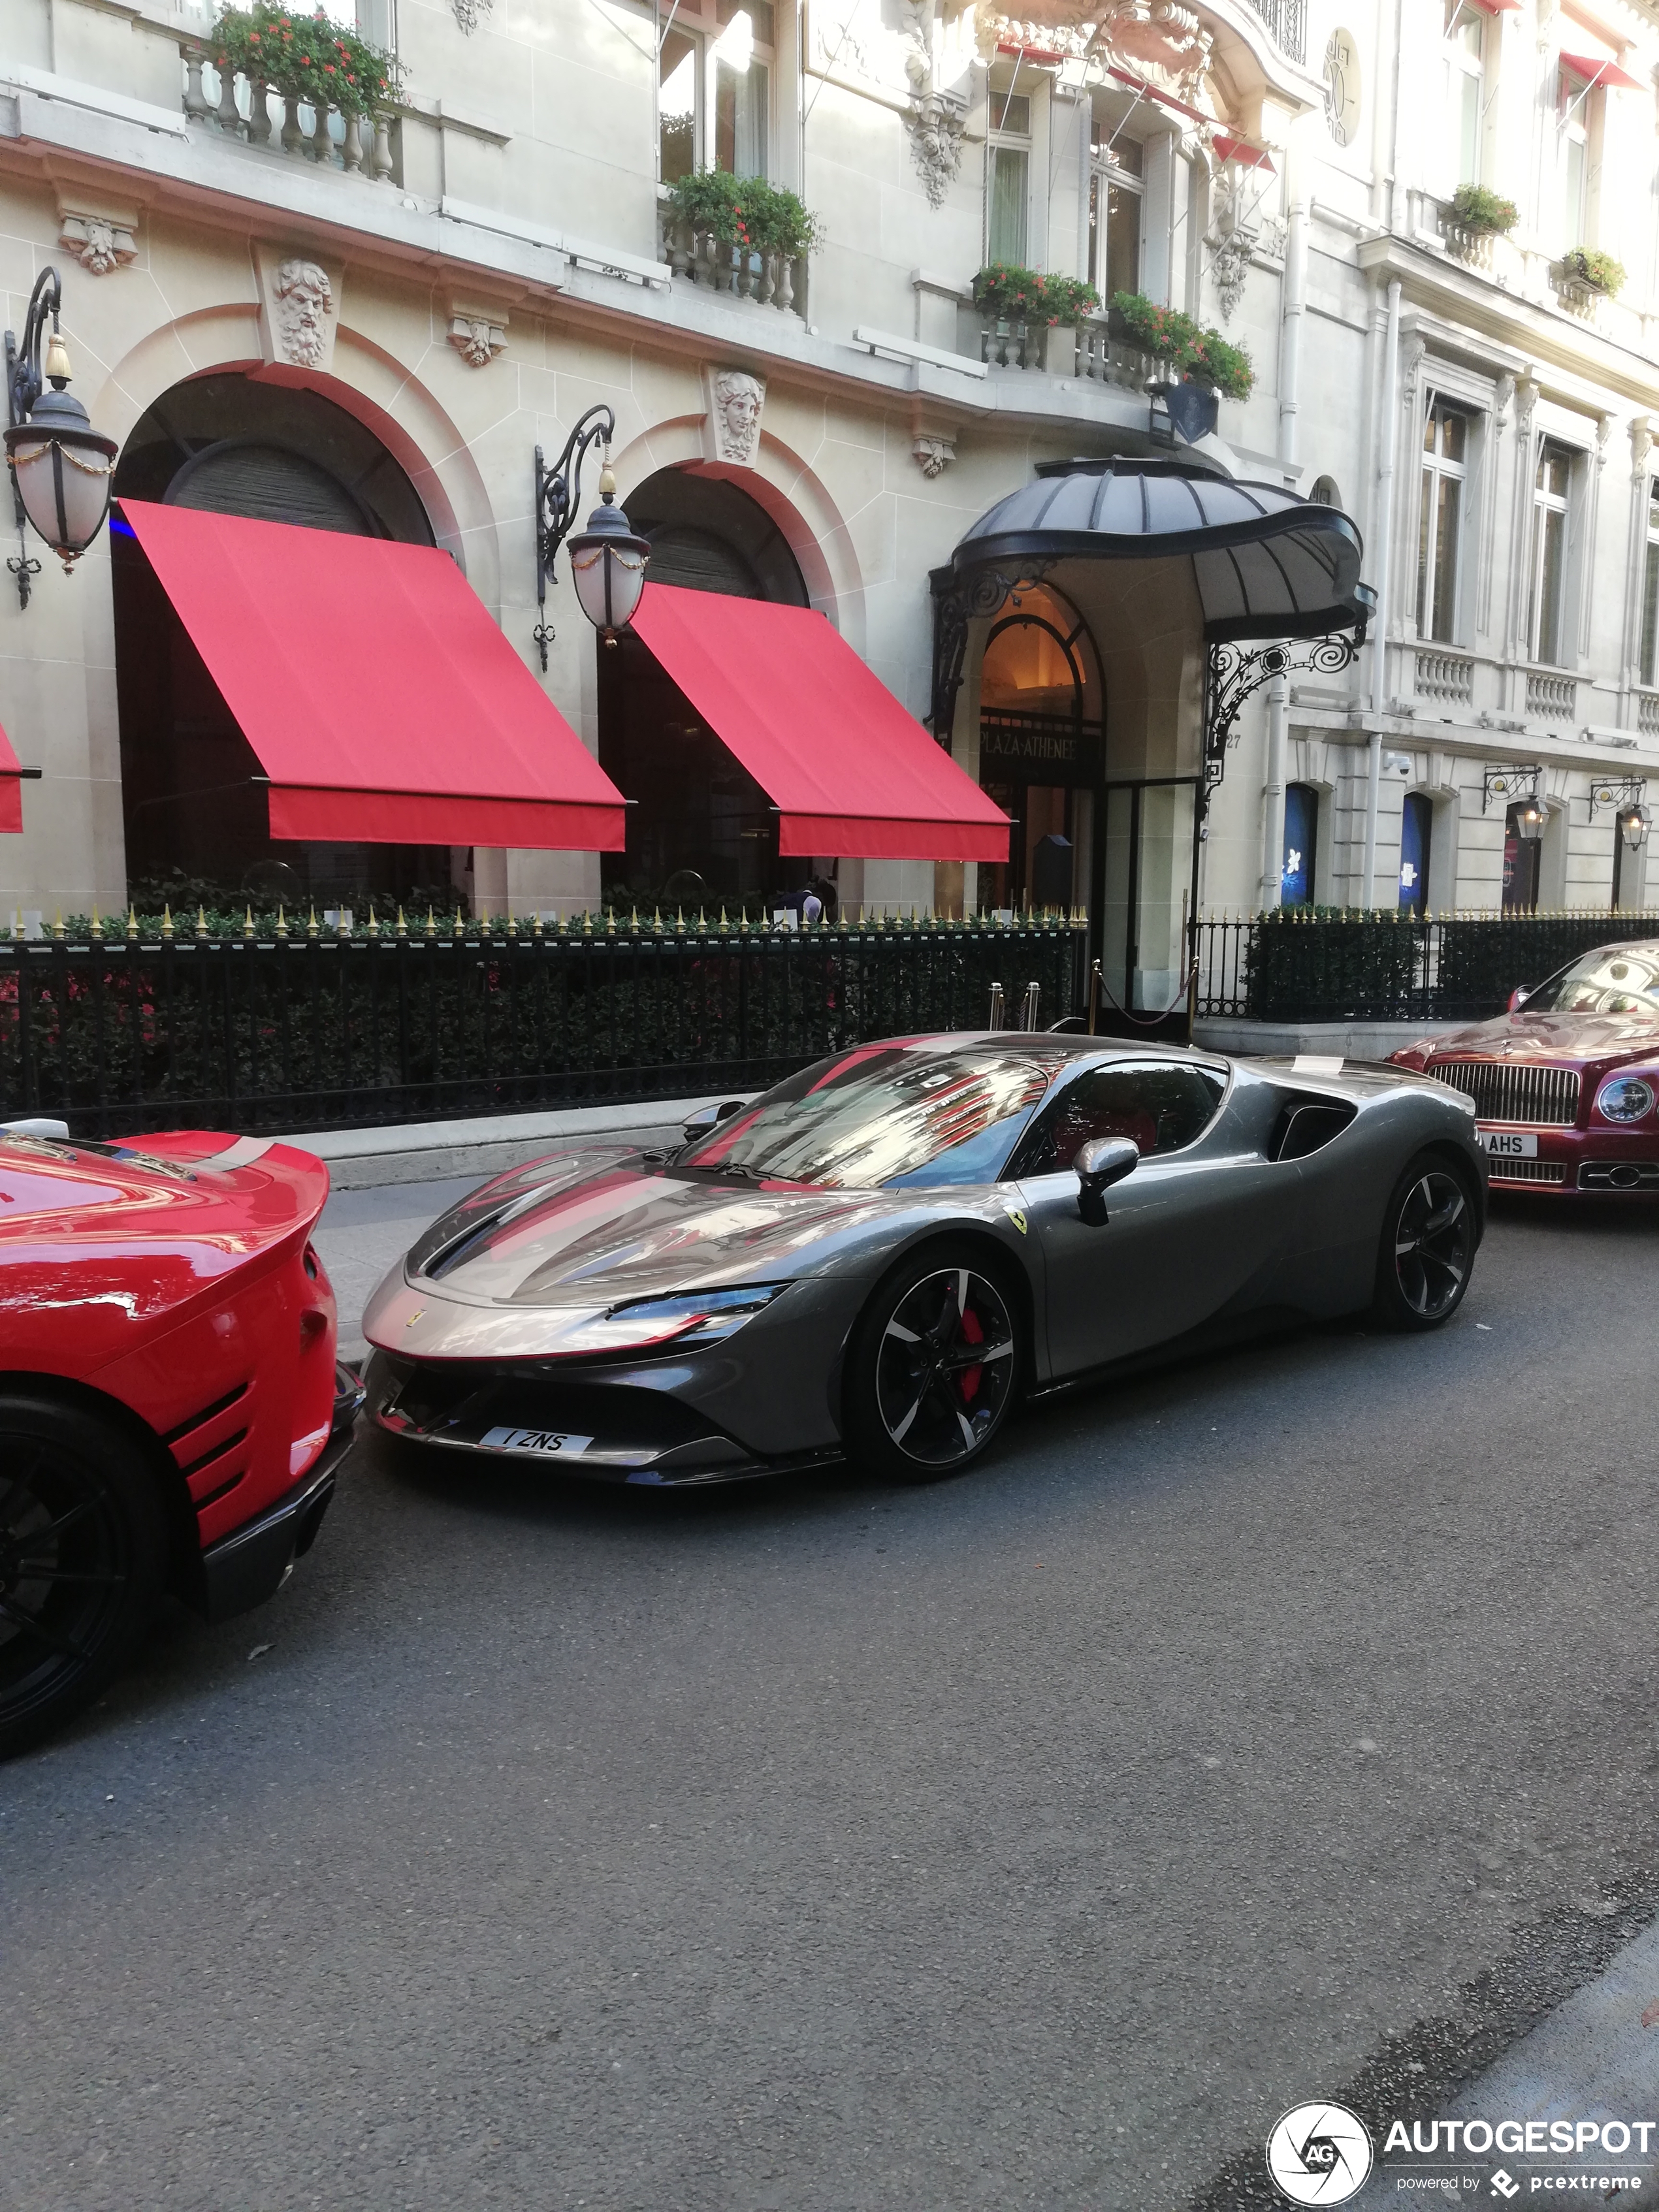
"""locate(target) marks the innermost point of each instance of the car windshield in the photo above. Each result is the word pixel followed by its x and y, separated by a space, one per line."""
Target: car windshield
pixel 885 1117
pixel 1616 980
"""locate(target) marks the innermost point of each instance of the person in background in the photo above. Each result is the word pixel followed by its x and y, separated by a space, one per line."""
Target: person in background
pixel 811 906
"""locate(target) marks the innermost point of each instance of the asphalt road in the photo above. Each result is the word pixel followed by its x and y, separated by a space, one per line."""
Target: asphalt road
pixel 1033 1840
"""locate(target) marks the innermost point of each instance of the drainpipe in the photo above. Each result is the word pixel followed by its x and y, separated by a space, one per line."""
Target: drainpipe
pixel 1387 431
pixel 1279 708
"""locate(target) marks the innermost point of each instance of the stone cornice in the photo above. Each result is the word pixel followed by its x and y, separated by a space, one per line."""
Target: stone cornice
pixel 1583 361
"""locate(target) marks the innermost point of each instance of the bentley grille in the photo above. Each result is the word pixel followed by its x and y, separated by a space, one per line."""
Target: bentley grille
pixel 1545 1095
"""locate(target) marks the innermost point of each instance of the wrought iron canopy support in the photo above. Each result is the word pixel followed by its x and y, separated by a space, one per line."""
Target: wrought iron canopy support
pixel 1515 787
pixel 1619 792
pixel 558 495
pixel 1235 673
pixel 956 601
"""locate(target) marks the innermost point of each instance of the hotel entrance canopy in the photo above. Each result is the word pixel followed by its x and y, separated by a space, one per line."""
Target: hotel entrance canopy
pixel 1265 563
pixel 381 698
pixel 849 771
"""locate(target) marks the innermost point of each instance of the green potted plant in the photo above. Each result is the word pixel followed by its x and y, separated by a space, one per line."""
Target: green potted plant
pixel 305 57
pixel 1164 333
pixel 1065 301
pixel 1486 214
pixel 1220 367
pixel 1587 265
pixel 1200 367
pixel 754 231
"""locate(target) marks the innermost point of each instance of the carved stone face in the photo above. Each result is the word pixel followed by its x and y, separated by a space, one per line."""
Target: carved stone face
pixel 304 299
pixel 738 401
pixel 98 254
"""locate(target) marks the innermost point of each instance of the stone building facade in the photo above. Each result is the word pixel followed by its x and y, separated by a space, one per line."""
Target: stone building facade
pixel 402 315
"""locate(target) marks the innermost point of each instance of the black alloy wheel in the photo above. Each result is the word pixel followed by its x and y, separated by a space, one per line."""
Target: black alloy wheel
pixel 81 1560
pixel 1428 1237
pixel 933 1369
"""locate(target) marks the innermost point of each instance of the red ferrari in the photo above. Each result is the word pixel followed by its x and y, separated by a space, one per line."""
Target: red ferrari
pixel 1565 1085
pixel 171 1415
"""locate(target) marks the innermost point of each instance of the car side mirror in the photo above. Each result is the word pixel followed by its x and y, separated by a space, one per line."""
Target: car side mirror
pixel 1100 1164
pixel 1518 998
pixel 709 1117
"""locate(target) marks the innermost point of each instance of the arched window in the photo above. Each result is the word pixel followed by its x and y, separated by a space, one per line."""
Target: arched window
pixel 1520 859
pixel 192 794
pixel 1325 492
pixel 704 833
pixel 1300 861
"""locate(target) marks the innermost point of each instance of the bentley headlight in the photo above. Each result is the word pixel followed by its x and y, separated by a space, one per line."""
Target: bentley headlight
pixel 684 1319
pixel 1624 1099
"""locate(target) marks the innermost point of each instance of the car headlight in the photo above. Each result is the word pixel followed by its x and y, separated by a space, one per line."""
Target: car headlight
pixel 684 1320
pixel 1624 1099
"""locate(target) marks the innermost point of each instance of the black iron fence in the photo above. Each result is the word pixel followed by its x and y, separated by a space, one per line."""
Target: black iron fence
pixel 119 1034
pixel 1298 966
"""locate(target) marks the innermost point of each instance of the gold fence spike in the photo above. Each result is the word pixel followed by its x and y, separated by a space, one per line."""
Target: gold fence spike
pixel 403 927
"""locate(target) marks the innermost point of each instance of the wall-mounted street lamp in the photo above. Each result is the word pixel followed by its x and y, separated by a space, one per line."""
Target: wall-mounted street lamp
pixel 1624 794
pixel 607 562
pixel 60 465
pixel 1517 787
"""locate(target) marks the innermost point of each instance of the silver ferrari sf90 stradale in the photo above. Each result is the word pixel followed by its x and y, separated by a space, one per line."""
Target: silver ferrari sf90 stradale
pixel 883 1255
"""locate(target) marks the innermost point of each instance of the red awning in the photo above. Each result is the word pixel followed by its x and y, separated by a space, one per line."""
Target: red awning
pixel 849 771
pixel 1229 149
pixel 383 701
pixel 11 789
pixel 1596 68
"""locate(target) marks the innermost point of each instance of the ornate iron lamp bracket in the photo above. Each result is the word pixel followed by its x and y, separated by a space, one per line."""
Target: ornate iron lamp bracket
pixel 956 601
pixel 1619 792
pixel 1237 672
pixel 558 495
pixel 1514 786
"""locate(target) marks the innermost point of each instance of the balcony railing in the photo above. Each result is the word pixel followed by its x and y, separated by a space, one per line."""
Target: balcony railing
pixel 1085 349
pixel 766 280
pixel 1287 22
pixel 1647 713
pixel 1449 676
pixel 249 109
pixel 1552 698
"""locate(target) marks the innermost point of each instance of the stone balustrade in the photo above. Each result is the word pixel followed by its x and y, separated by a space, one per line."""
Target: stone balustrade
pixel 280 123
pixel 768 280
pixel 1552 697
pixel 1647 713
pixel 1084 349
pixel 1441 675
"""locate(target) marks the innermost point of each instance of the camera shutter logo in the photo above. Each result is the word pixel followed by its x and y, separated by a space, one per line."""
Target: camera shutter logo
pixel 1319 2154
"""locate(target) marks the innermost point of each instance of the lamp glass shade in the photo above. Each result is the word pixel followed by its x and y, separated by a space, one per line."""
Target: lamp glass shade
pixel 1530 822
pixel 1633 827
pixel 607 565
pixel 62 470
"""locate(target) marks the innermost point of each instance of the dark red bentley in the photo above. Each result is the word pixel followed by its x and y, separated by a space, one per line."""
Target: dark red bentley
pixel 1566 1084
pixel 171 1414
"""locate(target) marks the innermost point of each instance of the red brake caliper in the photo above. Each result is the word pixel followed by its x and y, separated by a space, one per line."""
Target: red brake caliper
pixel 974 1334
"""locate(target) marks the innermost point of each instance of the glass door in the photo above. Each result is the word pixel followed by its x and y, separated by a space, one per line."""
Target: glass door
pixel 1145 863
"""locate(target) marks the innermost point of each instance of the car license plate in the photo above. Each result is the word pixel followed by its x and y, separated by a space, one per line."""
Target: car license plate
pixel 1509 1144
pixel 551 1444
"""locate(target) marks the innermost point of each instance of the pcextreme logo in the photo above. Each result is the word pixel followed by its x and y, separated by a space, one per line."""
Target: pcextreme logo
pixel 1320 2153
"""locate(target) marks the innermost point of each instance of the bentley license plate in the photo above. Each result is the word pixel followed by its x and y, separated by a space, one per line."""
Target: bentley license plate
pixel 551 1444
pixel 1509 1144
